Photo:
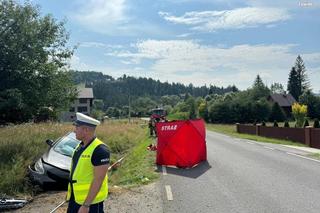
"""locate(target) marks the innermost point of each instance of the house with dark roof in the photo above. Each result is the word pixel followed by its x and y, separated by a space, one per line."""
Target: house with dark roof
pixel 82 104
pixel 285 101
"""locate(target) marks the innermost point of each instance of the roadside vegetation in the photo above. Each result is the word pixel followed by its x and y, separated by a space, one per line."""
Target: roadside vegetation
pixel 20 145
pixel 315 156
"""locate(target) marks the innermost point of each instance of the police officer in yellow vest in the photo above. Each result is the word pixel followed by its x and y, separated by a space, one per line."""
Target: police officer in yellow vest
pixel 88 186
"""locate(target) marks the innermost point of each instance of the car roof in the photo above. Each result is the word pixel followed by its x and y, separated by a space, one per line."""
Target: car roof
pixel 71 135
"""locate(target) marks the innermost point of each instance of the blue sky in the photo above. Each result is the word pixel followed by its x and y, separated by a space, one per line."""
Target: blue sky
pixel 193 41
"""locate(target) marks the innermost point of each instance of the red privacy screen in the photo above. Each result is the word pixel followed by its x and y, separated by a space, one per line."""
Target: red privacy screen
pixel 181 143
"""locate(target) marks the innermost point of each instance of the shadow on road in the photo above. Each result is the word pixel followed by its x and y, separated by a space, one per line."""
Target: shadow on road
pixel 194 172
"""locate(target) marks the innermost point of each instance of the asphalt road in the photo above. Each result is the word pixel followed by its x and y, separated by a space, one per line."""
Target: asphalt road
pixel 241 176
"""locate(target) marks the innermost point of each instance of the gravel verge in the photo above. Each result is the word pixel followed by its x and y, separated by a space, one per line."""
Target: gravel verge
pixel 146 198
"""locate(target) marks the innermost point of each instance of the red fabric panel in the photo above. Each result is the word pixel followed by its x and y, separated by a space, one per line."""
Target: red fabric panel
pixel 181 143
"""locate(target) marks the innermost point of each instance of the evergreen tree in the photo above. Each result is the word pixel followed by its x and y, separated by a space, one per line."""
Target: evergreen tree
pixel 259 90
pixel 298 80
pixel 258 82
pixel 293 85
pixel 276 113
pixel 286 124
pixel 302 75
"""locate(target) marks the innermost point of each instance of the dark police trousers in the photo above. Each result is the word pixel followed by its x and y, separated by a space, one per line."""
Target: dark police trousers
pixel 73 207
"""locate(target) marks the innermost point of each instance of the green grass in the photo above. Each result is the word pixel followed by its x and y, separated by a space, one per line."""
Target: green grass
pixel 315 156
pixel 178 116
pixel 20 145
pixel 229 129
pixel 137 167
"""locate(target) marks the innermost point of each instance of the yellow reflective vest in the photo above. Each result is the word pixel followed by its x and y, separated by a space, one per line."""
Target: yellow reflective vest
pixel 83 176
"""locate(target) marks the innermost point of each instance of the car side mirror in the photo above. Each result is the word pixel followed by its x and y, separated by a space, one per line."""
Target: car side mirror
pixel 49 142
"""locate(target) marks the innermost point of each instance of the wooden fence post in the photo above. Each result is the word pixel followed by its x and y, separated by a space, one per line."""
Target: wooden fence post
pixel 307 135
pixel 237 127
pixel 258 129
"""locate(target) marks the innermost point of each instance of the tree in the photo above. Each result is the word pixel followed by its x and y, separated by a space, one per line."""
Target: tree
pixel 260 110
pixel 277 88
pixel 98 104
pixel 191 103
pixel 302 75
pixel 293 85
pixel 258 82
pixel 259 90
pixel 203 111
pixel 169 100
pixel 220 112
pixel 141 106
pixel 33 59
pixel 312 102
pixel 298 80
pixel 276 113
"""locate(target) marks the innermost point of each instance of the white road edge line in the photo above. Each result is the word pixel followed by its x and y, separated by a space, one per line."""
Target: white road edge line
pixel 268 147
pixel 164 170
pixel 249 142
pixel 289 153
pixel 169 192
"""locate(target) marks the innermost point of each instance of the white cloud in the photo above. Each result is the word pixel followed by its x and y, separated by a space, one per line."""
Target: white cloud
pixel 113 17
pixel 101 12
pixel 103 16
pixel 188 61
pixel 229 19
pixel 92 44
pixel 76 63
pixel 184 35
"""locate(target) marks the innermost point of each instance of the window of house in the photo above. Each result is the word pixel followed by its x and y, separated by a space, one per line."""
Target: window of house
pixel 82 109
pixel 82 100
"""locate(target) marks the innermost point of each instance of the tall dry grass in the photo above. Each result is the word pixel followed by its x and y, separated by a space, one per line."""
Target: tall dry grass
pixel 20 145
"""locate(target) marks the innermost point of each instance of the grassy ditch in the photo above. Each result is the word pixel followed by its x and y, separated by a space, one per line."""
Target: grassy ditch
pixel 137 168
pixel 20 145
pixel 230 129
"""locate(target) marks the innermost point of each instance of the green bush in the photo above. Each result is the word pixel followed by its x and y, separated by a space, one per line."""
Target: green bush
pixel 286 124
pixel 263 123
pixel 277 113
pixel 306 123
pixel 275 124
pixel 178 116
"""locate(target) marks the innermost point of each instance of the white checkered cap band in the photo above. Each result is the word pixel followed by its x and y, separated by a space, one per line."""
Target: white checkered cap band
pixel 86 120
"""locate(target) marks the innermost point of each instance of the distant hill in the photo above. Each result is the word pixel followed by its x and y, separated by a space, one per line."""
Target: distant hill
pixel 115 92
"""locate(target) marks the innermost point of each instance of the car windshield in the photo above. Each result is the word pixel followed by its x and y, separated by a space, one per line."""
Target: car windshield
pixel 66 145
